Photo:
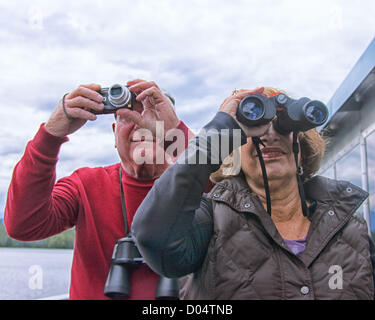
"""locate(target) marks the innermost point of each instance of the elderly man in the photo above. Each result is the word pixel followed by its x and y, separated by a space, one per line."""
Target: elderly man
pixel 90 199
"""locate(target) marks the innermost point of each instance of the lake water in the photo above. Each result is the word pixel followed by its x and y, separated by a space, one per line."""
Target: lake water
pixel 34 273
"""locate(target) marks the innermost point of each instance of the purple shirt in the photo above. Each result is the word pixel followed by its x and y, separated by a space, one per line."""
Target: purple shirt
pixel 296 246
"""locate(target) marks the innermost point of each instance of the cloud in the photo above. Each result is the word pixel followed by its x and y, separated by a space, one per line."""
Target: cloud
pixel 198 50
pixel 90 147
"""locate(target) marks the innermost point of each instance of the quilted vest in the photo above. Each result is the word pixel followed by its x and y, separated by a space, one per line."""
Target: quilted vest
pixel 248 259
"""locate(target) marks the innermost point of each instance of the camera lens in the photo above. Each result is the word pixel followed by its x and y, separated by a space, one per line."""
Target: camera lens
pixel 119 95
pixel 116 91
pixel 316 112
pixel 252 110
pixel 255 110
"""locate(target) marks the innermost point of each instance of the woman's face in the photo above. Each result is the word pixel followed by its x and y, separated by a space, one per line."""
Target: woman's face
pixel 277 154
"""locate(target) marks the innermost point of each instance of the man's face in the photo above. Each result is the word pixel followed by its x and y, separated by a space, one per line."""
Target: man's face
pixel 137 150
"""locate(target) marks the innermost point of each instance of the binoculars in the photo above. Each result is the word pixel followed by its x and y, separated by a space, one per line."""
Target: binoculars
pixel 292 115
pixel 126 258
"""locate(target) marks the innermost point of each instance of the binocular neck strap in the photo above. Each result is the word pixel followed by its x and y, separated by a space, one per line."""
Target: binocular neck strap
pixel 299 176
pixel 123 207
pixel 257 142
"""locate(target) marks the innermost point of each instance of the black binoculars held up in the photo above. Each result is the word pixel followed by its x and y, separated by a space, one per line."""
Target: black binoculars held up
pixel 126 258
pixel 292 115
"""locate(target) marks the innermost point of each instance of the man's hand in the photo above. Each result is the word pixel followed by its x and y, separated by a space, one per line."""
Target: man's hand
pixel 77 106
pixel 230 106
pixel 156 107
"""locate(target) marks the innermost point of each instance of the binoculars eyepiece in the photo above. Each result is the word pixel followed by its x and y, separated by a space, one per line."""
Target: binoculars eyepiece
pixel 125 259
pixel 292 115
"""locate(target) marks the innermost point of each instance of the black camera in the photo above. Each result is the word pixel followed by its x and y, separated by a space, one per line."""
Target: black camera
pixel 116 97
pixel 292 115
pixel 126 258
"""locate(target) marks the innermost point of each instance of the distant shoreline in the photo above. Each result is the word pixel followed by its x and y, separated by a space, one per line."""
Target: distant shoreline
pixel 63 240
pixel 35 248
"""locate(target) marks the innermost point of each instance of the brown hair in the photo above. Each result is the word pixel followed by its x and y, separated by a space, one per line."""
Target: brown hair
pixel 312 149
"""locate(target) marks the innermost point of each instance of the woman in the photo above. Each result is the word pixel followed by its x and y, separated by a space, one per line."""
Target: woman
pixel 231 247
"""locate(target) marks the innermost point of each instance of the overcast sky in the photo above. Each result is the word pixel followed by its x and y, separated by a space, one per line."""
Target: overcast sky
pixel 199 51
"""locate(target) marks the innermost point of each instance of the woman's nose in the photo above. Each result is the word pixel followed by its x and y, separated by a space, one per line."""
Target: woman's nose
pixel 271 136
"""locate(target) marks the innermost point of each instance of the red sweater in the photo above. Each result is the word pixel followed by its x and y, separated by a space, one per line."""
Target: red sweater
pixel 89 199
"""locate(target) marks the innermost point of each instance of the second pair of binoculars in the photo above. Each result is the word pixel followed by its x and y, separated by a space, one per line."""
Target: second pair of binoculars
pixel 125 259
pixel 292 115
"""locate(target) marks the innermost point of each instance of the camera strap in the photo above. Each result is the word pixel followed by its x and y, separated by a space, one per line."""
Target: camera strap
pixel 167 288
pixel 123 207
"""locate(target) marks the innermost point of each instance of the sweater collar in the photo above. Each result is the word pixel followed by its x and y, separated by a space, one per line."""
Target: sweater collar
pixel 128 179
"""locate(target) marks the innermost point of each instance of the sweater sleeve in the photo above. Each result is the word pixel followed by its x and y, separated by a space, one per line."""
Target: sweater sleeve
pixel 173 225
pixel 36 207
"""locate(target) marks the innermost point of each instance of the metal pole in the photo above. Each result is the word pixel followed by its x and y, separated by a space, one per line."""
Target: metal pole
pixel 364 178
pixel 334 171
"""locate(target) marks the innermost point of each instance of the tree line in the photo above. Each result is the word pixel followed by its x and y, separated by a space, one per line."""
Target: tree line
pixel 63 240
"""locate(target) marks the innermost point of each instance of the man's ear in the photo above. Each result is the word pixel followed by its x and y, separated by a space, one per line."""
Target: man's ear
pixel 114 131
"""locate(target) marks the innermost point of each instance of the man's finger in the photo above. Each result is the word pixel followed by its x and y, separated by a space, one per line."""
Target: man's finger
pixel 131 115
pixel 135 81
pixel 82 102
pixel 92 86
pixel 88 91
pixel 79 113
pixel 138 88
pixel 150 92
